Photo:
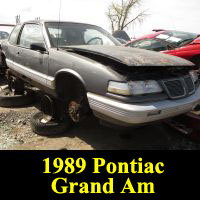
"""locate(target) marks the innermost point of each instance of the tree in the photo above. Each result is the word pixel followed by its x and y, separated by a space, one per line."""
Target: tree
pixel 120 14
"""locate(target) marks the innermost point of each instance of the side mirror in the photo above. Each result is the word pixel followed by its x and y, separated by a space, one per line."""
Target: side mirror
pixel 38 47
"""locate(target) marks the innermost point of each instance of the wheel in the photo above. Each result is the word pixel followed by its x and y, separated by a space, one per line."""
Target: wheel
pixel 8 99
pixel 77 108
pixel 44 125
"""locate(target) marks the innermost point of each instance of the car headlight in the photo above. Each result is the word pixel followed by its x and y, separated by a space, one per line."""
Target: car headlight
pixel 134 87
pixel 119 88
pixel 145 87
pixel 194 75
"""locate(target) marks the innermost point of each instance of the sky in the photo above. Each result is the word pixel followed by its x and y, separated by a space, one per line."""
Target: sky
pixel 182 15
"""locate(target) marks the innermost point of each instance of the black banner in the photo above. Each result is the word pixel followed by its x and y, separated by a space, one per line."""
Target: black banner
pixel 152 175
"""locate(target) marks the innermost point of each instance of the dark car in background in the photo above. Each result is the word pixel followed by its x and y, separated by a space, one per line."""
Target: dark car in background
pixel 122 41
pixel 177 43
pixel 121 36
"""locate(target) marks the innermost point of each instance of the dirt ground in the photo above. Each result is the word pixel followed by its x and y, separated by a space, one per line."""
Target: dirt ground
pixel 15 133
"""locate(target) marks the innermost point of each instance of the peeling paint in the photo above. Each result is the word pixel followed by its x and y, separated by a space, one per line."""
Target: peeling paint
pixel 131 56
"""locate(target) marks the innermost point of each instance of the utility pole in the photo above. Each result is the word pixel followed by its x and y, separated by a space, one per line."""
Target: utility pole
pixel 17 18
pixel 37 18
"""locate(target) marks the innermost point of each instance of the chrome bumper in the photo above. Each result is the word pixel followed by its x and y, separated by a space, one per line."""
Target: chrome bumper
pixel 136 114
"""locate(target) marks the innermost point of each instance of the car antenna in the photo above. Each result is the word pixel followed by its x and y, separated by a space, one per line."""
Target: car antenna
pixel 58 37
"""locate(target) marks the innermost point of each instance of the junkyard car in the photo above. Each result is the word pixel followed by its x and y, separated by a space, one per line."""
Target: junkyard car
pixel 83 67
pixel 177 43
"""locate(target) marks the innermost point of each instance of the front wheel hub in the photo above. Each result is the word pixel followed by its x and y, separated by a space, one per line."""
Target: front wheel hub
pixel 74 111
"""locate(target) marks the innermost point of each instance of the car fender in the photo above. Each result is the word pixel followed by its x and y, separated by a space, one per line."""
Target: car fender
pixel 71 72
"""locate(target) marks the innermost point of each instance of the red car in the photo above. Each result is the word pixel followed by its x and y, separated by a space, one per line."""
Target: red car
pixel 177 43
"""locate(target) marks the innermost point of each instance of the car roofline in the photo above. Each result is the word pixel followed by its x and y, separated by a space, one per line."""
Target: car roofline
pixel 55 21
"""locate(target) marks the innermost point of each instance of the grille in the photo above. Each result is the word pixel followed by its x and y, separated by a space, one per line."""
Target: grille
pixel 190 84
pixel 174 88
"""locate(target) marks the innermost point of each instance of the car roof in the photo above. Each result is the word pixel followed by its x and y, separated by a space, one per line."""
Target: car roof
pixel 55 21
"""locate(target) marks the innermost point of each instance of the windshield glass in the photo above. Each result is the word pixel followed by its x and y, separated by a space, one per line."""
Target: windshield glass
pixel 177 38
pixel 68 34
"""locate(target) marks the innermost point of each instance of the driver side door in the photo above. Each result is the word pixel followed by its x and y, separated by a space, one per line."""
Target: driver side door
pixel 34 63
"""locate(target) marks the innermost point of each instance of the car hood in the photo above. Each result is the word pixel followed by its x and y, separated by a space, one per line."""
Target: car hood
pixel 130 56
pixel 196 41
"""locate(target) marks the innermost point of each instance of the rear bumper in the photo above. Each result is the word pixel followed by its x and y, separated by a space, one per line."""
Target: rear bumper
pixel 138 114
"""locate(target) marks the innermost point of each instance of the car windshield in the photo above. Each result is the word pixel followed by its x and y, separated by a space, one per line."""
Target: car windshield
pixel 70 34
pixel 177 38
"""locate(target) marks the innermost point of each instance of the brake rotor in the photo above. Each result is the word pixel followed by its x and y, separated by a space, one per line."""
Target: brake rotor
pixel 74 111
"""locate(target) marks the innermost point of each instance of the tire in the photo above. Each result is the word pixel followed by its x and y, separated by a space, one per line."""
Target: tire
pixel 9 100
pixel 50 128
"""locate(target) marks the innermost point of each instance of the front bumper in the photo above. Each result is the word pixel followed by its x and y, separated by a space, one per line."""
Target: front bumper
pixel 138 114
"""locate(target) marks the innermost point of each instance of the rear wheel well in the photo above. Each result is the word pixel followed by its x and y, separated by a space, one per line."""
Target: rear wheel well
pixel 68 85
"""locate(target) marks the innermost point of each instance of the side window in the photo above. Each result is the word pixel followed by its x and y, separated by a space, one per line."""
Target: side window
pixel 14 35
pixel 94 37
pixel 31 33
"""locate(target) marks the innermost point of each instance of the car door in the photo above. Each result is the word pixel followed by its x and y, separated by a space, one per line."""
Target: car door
pixel 32 63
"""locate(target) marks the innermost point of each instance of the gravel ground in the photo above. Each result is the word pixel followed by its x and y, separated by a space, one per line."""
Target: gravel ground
pixel 15 133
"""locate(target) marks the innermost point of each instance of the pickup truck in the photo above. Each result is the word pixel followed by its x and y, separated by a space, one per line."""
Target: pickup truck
pixel 83 68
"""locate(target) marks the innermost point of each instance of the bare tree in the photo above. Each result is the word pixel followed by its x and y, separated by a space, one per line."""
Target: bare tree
pixel 120 14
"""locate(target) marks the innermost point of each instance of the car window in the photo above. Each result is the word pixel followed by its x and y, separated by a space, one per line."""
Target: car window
pixel 177 38
pixel 31 33
pixel 3 35
pixel 14 35
pixel 70 34
pixel 94 37
pixel 150 44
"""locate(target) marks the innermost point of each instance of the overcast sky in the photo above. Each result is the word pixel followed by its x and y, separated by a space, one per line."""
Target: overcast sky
pixel 168 14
